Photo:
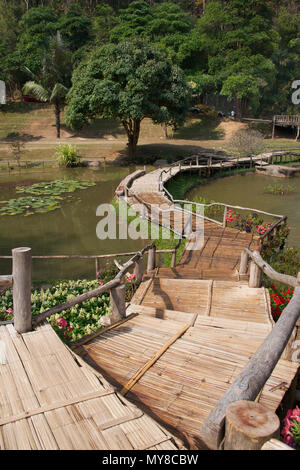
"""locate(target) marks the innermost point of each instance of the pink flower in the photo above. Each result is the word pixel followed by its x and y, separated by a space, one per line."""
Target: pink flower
pixel 9 311
pixel 101 283
pixel 61 322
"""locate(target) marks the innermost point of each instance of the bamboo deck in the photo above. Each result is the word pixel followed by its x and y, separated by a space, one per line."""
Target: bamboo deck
pixel 190 331
pixel 50 399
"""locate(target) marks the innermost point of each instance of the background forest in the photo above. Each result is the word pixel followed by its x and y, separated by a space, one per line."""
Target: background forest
pixel 246 51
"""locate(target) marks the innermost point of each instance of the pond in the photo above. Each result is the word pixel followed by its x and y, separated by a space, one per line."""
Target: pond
pixel 249 190
pixel 69 230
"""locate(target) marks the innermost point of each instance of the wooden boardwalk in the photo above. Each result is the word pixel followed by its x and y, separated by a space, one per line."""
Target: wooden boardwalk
pixel 51 399
pixel 190 330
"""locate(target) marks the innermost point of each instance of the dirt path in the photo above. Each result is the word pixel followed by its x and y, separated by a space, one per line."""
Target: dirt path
pixel 40 135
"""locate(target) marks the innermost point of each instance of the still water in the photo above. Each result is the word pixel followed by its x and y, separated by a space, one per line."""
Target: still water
pixel 249 190
pixel 70 230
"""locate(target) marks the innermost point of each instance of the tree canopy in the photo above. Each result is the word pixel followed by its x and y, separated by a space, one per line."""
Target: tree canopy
pixel 247 51
pixel 128 81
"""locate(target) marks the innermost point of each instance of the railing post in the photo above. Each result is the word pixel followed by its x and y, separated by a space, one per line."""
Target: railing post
pixel 255 275
pixel 151 259
pixel 138 270
pixel 97 266
pixel 248 425
pixel 117 303
pixel 22 267
pixel 224 216
pixel 244 263
pixel 173 262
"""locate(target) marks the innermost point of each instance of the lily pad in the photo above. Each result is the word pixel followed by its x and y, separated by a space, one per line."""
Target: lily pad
pixel 48 197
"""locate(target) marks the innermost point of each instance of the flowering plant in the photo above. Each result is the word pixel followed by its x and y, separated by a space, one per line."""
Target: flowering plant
pixel 109 272
pixel 246 223
pixel 291 429
pixel 279 300
pixel 71 324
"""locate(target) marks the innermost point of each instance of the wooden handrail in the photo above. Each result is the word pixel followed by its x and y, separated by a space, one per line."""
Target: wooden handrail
pixel 255 374
pixel 225 205
pixel 269 271
pixel 6 281
pixel 95 292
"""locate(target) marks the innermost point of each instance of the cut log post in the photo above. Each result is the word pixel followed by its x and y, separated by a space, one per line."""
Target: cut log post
pixel 248 425
pixel 117 303
pixel 21 272
pixel 151 259
pixel 244 263
pixel 255 275
pixel 138 271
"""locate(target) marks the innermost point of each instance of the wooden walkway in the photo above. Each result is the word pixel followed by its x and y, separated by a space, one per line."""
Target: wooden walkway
pixel 190 330
pixel 51 399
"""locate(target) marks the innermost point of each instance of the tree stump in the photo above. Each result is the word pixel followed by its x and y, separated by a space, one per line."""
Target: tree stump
pixel 249 425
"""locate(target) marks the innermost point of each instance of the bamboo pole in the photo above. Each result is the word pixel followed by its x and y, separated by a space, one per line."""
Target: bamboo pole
pixel 22 289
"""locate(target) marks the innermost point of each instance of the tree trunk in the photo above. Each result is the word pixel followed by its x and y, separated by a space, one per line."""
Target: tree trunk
pixel 238 109
pixel 132 127
pixel 57 119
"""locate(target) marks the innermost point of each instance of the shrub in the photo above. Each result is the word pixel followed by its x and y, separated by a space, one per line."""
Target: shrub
pixel 67 156
pixel 246 142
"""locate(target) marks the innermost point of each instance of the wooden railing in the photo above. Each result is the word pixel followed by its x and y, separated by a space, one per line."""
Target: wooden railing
pixel 95 258
pixel 20 280
pixel 288 119
pixel 281 219
pixel 249 383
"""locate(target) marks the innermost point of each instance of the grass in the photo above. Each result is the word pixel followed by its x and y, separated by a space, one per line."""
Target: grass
pixel 163 238
pixel 182 183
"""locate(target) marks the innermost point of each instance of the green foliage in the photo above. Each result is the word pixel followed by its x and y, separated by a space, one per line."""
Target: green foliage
pixel 55 79
pixel 128 81
pixel 83 318
pixel 246 51
pixel 67 156
pixel 37 26
pixel 75 28
pixel 47 197
pixel 279 189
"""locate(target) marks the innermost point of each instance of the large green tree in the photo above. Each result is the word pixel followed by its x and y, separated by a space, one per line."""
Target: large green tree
pixel 37 26
pixel 240 40
pixel 129 82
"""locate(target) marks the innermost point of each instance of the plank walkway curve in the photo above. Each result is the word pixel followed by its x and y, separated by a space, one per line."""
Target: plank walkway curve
pixel 190 330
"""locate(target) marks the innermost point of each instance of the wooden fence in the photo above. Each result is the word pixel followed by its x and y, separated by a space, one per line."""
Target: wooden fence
pixel 211 161
pixel 20 280
pixel 218 429
pixel 222 427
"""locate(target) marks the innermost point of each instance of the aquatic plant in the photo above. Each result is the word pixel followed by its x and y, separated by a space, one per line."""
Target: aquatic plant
pixel 279 189
pixel 45 197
